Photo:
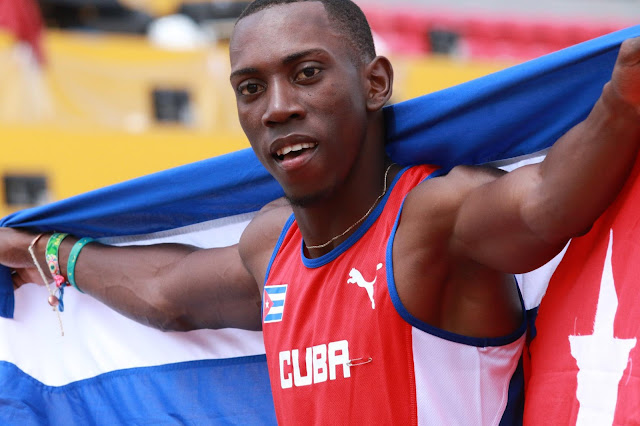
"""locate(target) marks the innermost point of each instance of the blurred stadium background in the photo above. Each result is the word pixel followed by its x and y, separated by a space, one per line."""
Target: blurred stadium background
pixel 94 92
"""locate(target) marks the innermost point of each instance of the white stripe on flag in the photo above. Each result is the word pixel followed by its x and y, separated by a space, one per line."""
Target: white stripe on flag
pixel 98 339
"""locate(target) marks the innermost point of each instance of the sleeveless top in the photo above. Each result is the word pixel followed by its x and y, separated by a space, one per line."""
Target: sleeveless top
pixel 342 349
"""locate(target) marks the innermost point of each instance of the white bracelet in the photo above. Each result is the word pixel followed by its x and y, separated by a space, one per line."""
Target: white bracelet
pixel 52 300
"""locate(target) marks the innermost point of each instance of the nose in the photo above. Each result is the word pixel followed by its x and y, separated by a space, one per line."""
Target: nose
pixel 282 104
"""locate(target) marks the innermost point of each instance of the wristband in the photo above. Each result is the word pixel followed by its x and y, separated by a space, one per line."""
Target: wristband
pixel 73 258
pixel 51 257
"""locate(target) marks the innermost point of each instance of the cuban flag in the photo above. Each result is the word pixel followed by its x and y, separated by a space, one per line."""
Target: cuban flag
pixel 273 302
pixel 109 370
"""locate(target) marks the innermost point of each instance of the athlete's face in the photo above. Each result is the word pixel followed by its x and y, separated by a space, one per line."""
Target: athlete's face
pixel 301 97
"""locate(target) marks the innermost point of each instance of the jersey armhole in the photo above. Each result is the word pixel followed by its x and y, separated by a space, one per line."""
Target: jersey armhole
pixel 276 249
pixel 435 331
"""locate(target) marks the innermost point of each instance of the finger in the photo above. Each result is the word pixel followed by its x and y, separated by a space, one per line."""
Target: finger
pixel 13 279
pixel 630 52
pixel 17 280
pixel 21 278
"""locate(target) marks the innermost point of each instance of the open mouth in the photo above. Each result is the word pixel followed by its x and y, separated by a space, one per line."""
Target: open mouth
pixel 292 151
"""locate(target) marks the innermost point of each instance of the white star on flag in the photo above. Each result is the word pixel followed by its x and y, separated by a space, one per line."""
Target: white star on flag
pixel 601 357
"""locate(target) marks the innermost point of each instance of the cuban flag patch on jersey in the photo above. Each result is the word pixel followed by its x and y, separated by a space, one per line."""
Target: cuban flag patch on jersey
pixel 273 302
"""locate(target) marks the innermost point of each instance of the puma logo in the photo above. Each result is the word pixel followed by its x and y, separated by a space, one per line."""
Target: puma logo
pixel 355 277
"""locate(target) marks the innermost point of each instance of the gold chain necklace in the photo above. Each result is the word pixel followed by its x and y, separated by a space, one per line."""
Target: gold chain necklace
pixel 384 191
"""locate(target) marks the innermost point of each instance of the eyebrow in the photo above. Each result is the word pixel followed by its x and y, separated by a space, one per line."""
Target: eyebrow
pixel 299 55
pixel 243 71
pixel 287 60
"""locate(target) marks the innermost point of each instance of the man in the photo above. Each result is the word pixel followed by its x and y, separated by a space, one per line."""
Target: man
pixel 388 281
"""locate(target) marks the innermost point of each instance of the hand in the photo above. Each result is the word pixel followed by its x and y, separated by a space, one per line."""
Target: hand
pixel 625 79
pixel 14 254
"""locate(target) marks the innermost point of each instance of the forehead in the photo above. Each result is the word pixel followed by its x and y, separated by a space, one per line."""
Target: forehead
pixel 282 30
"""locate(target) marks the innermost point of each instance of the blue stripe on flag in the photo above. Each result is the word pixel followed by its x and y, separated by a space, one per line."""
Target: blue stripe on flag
pixel 273 317
pixel 232 391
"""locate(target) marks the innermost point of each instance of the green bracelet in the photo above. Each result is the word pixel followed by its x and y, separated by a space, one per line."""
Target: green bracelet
pixel 51 256
pixel 73 258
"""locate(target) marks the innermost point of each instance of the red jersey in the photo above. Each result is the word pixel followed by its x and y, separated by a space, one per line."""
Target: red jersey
pixel 342 349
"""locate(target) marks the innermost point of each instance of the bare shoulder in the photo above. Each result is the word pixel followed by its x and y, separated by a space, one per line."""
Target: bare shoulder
pixel 431 211
pixel 481 174
pixel 463 177
pixel 261 235
pixel 445 193
pixel 436 282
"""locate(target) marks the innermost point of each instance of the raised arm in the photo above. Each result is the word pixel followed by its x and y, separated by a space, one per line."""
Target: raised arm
pixel 520 220
pixel 167 286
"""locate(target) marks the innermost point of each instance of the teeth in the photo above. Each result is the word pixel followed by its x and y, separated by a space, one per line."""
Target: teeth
pixel 294 148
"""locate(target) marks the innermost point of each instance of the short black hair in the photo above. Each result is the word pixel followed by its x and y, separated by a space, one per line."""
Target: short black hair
pixel 347 17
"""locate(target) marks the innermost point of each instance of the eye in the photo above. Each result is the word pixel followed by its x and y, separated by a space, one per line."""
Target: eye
pixel 250 88
pixel 306 73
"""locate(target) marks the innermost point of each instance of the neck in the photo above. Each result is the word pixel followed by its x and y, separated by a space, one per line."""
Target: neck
pixel 328 223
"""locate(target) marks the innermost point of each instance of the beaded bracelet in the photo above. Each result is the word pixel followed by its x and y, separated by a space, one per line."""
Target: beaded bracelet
pixel 73 258
pixel 51 257
pixel 54 302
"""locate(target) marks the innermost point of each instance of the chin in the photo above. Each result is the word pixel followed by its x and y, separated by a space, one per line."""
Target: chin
pixel 307 200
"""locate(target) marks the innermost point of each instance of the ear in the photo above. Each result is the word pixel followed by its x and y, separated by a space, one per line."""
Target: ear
pixel 379 75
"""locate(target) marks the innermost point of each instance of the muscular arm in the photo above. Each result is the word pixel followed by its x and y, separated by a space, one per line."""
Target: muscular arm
pixel 168 286
pixel 462 235
pixel 520 220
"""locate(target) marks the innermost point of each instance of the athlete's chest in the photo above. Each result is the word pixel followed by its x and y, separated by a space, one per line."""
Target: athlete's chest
pixel 331 325
pixel 304 304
